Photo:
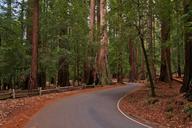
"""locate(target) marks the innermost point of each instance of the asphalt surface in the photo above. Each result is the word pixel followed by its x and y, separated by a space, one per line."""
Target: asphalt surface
pixel 91 110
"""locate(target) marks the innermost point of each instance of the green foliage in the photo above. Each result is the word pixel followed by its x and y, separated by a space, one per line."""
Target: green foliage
pixel 64 31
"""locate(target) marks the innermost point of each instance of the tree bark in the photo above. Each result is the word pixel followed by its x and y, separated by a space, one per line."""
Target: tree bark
pixel 150 38
pixel 165 73
pixel 102 57
pixel 120 45
pixel 132 61
pixel 88 66
pixel 187 83
pixel 35 39
pixel 148 67
pixel 165 18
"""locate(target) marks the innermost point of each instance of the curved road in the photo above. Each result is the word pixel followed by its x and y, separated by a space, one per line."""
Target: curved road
pixel 91 110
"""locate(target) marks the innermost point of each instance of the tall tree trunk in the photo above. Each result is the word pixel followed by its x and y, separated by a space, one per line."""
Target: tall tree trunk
pixel 187 83
pixel 35 39
pixel 132 61
pixel 179 33
pixel 150 38
pixel 165 71
pixel 102 57
pixel 88 66
pixel 148 68
pixel 120 45
pixel 141 37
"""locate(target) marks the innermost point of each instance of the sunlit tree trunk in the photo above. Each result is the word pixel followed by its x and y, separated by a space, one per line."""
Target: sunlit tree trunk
pixel 102 56
pixel 35 39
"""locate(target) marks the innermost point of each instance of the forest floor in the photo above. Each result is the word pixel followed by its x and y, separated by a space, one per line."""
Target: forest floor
pixel 169 109
pixel 14 113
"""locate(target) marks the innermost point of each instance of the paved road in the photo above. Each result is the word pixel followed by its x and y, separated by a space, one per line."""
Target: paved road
pixel 92 110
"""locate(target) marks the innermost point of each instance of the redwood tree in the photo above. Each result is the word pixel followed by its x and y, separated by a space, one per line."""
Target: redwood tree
pixel 102 56
pixel 89 66
pixel 165 73
pixel 35 39
pixel 132 61
pixel 187 83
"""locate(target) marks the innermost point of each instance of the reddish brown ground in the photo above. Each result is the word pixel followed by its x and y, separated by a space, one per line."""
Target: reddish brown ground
pixel 19 111
pixel 166 110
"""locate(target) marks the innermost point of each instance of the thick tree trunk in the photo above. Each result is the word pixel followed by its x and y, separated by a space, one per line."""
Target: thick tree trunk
pixel 132 61
pixel 102 56
pixel 165 73
pixel 187 83
pixel 35 39
pixel 88 66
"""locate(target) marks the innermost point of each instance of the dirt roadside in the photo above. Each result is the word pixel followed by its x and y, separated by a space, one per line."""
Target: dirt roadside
pixel 15 113
pixel 168 109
